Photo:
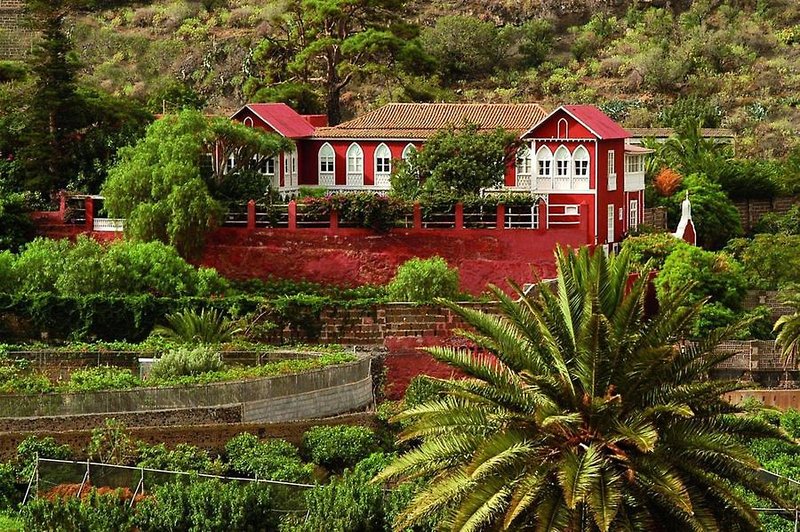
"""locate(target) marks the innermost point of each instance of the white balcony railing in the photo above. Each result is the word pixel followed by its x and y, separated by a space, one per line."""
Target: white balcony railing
pixel 634 181
pixel 109 225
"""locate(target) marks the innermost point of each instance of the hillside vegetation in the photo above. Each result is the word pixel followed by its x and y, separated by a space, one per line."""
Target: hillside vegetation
pixel 733 63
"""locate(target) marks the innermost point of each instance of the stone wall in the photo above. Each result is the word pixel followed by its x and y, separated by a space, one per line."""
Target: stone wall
pixel 15 36
pixel 351 384
pixel 151 418
pixel 759 361
pixel 656 217
pixel 751 210
pixel 771 299
pixel 783 399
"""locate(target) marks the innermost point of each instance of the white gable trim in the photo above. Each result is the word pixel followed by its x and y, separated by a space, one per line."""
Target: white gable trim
pixel 276 130
pixel 562 108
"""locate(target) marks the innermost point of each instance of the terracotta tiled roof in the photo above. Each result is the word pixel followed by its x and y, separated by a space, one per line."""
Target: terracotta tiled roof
pixel 418 121
pixel 664 132
pixel 633 148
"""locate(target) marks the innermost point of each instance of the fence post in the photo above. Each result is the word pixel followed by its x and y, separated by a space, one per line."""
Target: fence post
pixel 89 205
pixel 459 215
pixel 501 216
pixel 251 215
pixel 334 219
pixel 293 215
pixel 62 203
pixel 417 215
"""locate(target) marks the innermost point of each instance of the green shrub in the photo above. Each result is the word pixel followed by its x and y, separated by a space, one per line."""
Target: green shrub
pixel 339 446
pixel 420 390
pixel 714 275
pixel 349 502
pixel 95 512
pixel 183 457
pixel 102 378
pixel 770 261
pixel 272 459
pixel 10 490
pixel 422 280
pixel 654 247
pixel 33 446
pixel 207 505
pixel 185 361
pixel 111 444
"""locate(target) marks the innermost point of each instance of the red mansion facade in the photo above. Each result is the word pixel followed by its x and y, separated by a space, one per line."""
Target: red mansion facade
pixel 578 162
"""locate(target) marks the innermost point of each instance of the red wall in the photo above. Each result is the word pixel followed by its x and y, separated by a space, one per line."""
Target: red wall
pixel 361 256
pixel 310 164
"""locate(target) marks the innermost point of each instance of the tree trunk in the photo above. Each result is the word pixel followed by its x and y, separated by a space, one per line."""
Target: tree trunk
pixel 333 105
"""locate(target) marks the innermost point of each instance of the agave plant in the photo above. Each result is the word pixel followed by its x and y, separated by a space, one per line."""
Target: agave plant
pixel 582 415
pixel 209 326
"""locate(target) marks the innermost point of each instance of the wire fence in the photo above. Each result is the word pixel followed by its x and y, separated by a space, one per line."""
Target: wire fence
pixel 53 478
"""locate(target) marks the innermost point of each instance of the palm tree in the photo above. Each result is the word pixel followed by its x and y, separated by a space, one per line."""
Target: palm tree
pixel 583 415
pixel 205 327
pixel 788 327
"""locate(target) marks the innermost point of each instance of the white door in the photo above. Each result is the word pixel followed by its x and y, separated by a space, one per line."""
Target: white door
pixel 610 223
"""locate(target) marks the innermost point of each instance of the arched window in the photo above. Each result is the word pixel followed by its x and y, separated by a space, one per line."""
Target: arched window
pixel 562 177
pixel 355 165
pixel 580 173
pixel 563 128
pixel 544 168
pixel 327 165
pixel 523 167
pixel 407 151
pixel 383 166
pixel 248 121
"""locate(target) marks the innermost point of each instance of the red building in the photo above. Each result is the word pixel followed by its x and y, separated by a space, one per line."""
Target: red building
pixel 576 160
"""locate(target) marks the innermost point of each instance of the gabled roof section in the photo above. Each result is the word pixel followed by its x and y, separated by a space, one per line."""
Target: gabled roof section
pixel 419 121
pixel 282 118
pixel 592 119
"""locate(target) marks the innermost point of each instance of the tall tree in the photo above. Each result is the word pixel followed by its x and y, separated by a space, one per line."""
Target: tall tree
pixel 326 43
pixel 159 185
pixel 584 415
pixel 55 108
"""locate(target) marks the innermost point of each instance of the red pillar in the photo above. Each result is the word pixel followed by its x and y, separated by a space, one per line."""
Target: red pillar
pixel 251 215
pixel 459 215
pixel 292 215
pixel 417 215
pixel 334 219
pixel 501 216
pixel 89 205
pixel 62 203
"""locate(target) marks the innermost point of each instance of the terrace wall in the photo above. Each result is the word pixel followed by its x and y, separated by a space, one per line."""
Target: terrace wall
pixel 322 392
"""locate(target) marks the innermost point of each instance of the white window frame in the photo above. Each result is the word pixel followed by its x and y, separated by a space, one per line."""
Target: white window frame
pixel 612 171
pixel 355 165
pixel 544 161
pixel 566 129
pixel 580 173
pixel 610 223
pixel 562 179
pixel 383 165
pixel 407 151
pixel 634 164
pixel 633 215
pixel 523 167
pixel 326 165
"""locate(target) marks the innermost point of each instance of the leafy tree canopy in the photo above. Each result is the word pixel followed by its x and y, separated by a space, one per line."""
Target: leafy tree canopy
pixel 455 162
pixel 328 43
pixel 715 217
pixel 159 185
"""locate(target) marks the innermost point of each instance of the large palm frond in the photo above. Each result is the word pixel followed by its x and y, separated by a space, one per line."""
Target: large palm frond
pixel 209 326
pixel 584 413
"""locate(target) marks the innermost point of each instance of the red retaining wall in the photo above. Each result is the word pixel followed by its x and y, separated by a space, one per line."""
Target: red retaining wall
pixel 361 256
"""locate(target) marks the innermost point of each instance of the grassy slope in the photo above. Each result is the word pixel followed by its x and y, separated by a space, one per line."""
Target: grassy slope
pixel 743 57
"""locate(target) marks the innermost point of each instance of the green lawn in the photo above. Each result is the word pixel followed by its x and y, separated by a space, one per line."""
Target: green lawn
pixel 10 522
